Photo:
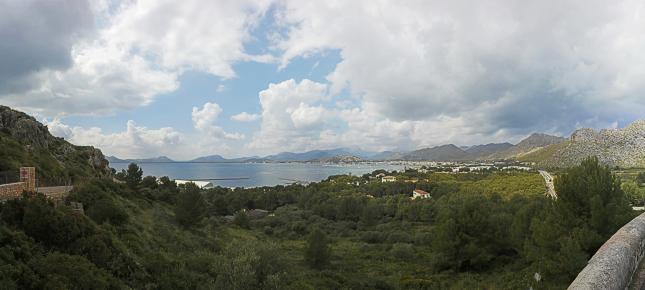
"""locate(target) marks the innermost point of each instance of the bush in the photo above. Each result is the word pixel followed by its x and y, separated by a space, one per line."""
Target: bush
pixel 190 207
pixel 105 210
pixel 402 251
pixel 372 237
pixel 399 237
pixel 242 220
pixel 317 250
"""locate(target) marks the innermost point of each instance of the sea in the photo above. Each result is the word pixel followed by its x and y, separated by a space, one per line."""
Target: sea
pixel 255 174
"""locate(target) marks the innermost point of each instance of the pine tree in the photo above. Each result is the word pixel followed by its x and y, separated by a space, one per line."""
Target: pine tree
pixel 590 208
pixel 190 207
pixel 317 250
pixel 133 176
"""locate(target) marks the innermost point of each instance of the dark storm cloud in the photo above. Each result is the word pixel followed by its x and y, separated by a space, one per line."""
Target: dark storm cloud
pixel 37 35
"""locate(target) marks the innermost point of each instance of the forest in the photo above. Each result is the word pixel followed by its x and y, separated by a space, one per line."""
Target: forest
pixel 486 230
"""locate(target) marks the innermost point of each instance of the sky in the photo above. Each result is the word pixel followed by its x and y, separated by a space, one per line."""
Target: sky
pixel 191 78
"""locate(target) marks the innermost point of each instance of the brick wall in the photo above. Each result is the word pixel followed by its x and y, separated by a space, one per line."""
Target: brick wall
pixel 11 190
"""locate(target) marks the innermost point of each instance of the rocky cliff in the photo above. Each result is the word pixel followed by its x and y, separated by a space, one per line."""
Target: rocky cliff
pixel 614 147
pixel 27 142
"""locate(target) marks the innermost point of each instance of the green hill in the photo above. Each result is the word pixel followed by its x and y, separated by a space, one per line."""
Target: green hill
pixel 26 142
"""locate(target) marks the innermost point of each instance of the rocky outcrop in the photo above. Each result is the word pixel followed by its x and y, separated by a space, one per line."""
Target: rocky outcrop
pixel 614 147
pixel 39 147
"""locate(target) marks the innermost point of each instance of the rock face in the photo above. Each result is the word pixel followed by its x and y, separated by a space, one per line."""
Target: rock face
pixel 614 147
pixel 51 155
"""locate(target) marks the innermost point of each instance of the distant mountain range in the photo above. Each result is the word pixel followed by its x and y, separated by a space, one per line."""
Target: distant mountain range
pixel 160 159
pixel 622 147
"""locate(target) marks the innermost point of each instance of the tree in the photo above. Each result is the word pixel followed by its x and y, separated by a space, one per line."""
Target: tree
pixel 241 220
pixel 317 250
pixel 590 208
pixel 640 179
pixel 133 176
pixel 190 207
pixel 150 182
pixel 635 194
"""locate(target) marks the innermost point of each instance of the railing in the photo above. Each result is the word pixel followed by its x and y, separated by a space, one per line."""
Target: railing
pixel 614 265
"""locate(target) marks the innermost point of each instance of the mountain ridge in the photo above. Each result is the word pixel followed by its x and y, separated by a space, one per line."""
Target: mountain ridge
pixel 27 142
pixel 614 147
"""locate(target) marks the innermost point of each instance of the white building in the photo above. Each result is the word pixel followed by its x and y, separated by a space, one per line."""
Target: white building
pixel 388 179
pixel 420 194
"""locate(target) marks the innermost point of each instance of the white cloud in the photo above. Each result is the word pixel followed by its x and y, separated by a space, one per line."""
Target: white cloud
pixel 305 116
pixel 134 142
pixel 202 35
pixel 245 117
pixel 517 67
pixel 206 118
pixel 291 116
pixel 138 52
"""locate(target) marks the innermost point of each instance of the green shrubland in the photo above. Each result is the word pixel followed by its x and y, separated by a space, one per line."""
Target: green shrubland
pixel 489 230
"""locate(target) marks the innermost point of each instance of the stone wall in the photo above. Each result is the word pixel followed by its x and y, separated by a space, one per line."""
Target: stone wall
pixel 11 190
pixel 28 176
pixel 27 183
pixel 615 263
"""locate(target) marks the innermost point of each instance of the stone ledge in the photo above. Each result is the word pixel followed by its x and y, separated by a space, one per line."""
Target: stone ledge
pixel 613 266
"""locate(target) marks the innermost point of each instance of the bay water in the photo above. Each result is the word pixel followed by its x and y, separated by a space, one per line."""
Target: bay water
pixel 255 174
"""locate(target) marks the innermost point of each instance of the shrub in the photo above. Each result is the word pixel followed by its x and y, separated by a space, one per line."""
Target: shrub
pixel 242 220
pixel 317 250
pixel 402 251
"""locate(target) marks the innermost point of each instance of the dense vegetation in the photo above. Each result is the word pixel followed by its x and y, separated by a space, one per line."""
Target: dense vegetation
pixel 492 230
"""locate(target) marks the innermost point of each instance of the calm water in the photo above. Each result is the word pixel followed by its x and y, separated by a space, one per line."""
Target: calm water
pixel 259 174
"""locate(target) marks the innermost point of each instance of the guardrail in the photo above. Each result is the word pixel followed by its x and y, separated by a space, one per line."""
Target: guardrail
pixel 615 264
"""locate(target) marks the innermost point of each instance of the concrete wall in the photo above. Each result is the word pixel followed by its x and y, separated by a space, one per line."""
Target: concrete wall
pixel 613 266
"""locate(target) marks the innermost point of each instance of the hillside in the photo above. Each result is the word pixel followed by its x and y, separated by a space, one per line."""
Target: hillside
pixel 26 142
pixel 448 152
pixel 319 154
pixel 340 159
pixel 614 147
pixel 483 151
pixel 534 142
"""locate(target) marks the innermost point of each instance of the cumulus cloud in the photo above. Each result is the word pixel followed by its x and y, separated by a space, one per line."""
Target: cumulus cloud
pixel 205 120
pixel 291 115
pixel 305 116
pixel 516 67
pixel 245 117
pixel 134 142
pixel 38 35
pixel 137 53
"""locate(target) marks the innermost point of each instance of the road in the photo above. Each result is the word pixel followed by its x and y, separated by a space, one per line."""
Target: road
pixel 548 179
